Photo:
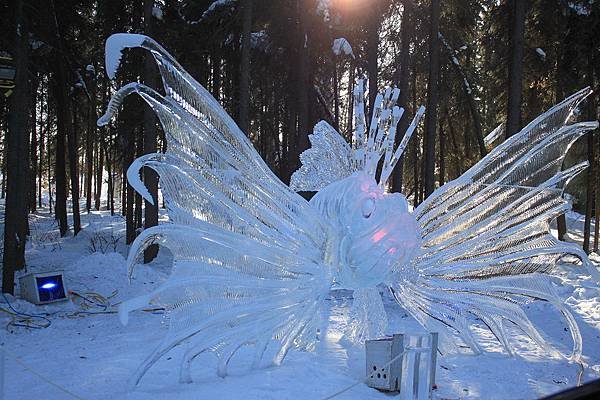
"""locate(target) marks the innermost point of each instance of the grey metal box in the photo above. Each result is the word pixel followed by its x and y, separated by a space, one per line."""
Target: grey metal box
pixel 404 363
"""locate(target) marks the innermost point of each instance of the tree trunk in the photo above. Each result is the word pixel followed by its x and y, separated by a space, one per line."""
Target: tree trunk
pixel 150 134
pixel 461 157
pixel 597 207
pixel 432 99
pixel 33 149
pixel 17 151
pixel 80 162
pixel 99 173
pixel 216 73
pixel 73 171
pixel 589 208
pixel 303 82
pixel 48 152
pixel 129 198
pixel 591 171
pixel 406 38
pixel 292 120
pixel 442 162
pixel 41 150
pixel 349 122
pixel 336 94
pixel 468 91
pixel 415 142
pixel 138 199
pixel 4 145
pixel 123 192
pixel 244 119
pixel 111 181
pixel 515 72
pixel 372 50
pixel 62 125
pixel 89 142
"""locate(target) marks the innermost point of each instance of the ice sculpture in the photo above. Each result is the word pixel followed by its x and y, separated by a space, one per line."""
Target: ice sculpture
pixel 253 260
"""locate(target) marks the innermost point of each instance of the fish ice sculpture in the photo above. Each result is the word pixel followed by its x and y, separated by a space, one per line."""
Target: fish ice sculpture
pixel 254 261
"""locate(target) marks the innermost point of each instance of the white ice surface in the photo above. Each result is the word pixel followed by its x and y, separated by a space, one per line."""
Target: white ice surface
pixel 93 356
pixel 114 49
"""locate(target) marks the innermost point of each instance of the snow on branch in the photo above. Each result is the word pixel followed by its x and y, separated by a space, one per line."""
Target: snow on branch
pixel 218 4
pixel 341 46
pixel 454 59
pixel 469 94
pixel 215 5
pixel 493 135
pixel 541 53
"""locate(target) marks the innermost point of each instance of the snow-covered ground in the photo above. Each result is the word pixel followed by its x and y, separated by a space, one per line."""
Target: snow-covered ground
pixel 92 355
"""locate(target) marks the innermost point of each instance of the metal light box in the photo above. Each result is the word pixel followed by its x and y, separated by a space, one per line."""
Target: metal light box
pixel 404 363
pixel 43 288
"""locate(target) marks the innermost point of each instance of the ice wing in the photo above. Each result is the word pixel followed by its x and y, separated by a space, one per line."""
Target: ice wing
pixel 487 247
pixel 247 250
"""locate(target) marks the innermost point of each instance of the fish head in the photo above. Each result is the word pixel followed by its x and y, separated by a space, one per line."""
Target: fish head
pixel 376 232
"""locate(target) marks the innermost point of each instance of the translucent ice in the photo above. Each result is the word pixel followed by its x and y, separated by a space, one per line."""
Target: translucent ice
pixel 253 260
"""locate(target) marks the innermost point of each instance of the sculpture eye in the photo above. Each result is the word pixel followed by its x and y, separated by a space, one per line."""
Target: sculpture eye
pixel 368 207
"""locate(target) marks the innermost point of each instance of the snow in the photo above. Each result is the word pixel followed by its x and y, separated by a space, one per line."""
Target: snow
pixel 93 355
pixel 342 46
pixel 114 49
pixel 541 53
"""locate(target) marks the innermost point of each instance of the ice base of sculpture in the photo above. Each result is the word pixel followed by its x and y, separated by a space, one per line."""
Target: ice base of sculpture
pixel 367 318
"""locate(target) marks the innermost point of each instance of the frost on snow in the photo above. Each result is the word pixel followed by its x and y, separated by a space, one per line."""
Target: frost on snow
pixel 254 261
pixel 342 46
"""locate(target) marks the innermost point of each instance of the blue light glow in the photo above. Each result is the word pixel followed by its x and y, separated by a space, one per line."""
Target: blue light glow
pixel 48 285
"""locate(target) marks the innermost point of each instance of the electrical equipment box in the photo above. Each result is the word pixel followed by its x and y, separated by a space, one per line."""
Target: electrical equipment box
pixel 403 363
pixel 43 288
